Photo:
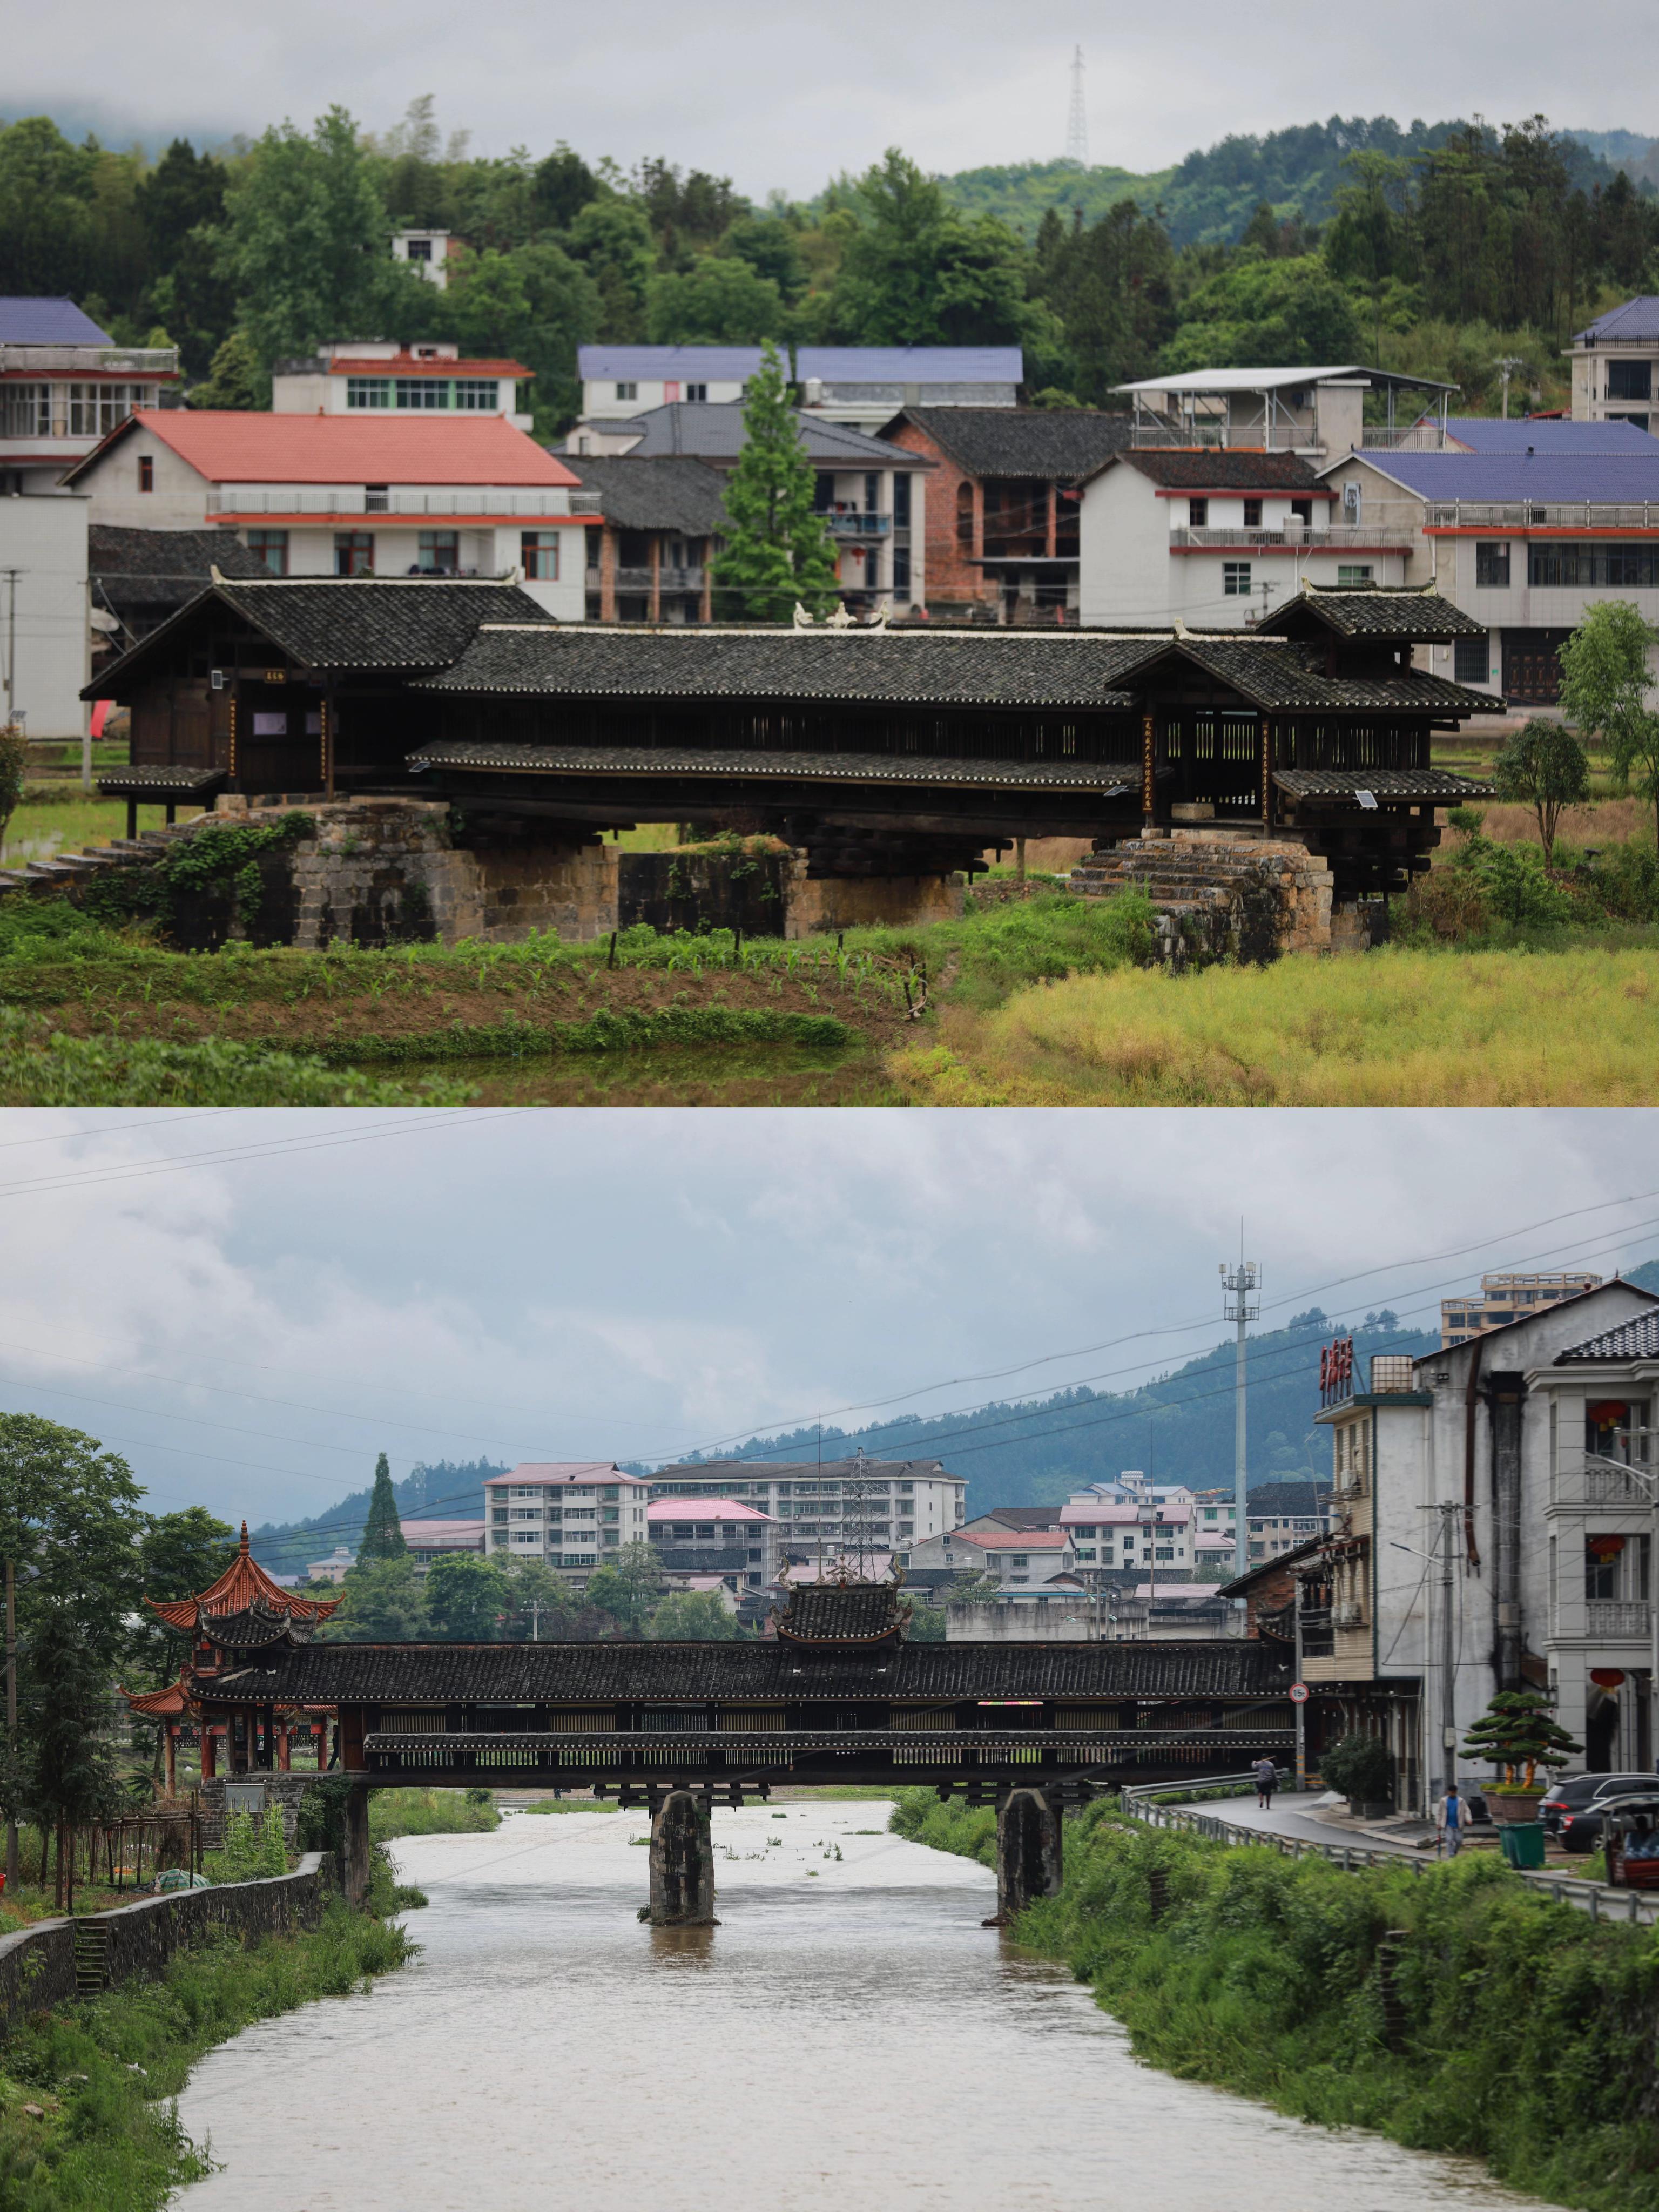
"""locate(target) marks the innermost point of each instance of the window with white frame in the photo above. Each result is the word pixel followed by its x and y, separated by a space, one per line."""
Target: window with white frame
pixel 25 410
pixel 628 392
pixel 1351 573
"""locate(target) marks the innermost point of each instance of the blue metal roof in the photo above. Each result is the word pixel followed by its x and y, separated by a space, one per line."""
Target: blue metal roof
pixel 1621 477
pixel 1481 434
pixel 834 364
pixel 48 322
pixel 1636 320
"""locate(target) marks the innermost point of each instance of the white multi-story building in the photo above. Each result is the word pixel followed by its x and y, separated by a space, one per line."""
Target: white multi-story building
pixel 64 384
pixel 1615 366
pixel 346 496
pixel 1131 1522
pixel 902 1502
pixel 44 613
pixel 427 252
pixel 1533 1445
pixel 373 378
pixel 572 1515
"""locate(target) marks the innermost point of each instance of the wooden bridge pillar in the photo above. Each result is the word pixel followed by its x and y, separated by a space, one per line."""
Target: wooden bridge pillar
pixel 356 1846
pixel 1028 1851
pixel 682 1863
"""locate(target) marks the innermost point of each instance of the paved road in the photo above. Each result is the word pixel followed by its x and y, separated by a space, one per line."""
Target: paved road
pixel 1286 1819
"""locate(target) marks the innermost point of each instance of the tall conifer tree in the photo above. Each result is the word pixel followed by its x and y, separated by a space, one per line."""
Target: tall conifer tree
pixel 777 549
pixel 383 1535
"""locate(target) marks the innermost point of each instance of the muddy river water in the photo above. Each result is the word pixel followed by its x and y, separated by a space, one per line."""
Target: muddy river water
pixel 849 2037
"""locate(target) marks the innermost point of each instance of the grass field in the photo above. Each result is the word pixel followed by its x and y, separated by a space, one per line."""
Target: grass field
pixel 1576 1028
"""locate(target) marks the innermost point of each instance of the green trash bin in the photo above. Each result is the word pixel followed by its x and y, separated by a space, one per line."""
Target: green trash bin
pixel 1522 1842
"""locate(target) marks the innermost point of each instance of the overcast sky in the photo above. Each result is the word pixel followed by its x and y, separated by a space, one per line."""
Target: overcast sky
pixel 772 95
pixel 250 1330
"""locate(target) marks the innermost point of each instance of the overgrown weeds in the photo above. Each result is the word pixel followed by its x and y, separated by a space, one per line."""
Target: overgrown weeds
pixel 394 1812
pixel 1529 2035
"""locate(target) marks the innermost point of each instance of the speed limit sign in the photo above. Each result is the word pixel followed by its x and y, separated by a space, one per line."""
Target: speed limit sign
pixel 1298 1693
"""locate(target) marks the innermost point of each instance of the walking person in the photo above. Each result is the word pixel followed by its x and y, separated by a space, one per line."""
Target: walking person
pixel 1452 1817
pixel 1266 1781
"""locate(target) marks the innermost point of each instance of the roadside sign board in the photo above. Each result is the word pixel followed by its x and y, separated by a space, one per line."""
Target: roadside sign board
pixel 1298 1693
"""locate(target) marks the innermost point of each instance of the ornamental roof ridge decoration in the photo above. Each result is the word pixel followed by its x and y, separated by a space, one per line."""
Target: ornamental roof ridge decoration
pixel 244 1588
pixel 842 1613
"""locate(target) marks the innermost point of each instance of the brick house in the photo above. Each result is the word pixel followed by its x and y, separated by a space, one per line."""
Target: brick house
pixel 1002 512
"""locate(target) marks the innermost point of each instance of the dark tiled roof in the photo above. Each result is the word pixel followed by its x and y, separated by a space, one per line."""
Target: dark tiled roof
pixel 1108 778
pixel 1637 319
pixel 1295 1498
pixel 1025 1517
pixel 352 623
pixel 1201 469
pixel 1632 1339
pixel 672 492
pixel 1285 676
pixel 826 1613
pixel 45 321
pixel 1438 784
pixel 537 1674
pixel 1062 442
pixel 168 557
pixel 1307 1550
pixel 1404 614
pixel 987 668
pixel 252 1630
pixel 138 782
pixel 715 431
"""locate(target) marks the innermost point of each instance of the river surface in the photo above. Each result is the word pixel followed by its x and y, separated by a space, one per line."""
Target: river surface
pixel 850 2038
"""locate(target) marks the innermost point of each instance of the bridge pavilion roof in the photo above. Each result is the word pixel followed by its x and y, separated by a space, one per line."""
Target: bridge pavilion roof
pixel 605 1674
pixel 244 1599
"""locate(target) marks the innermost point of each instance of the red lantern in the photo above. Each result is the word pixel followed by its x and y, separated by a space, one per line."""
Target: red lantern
pixel 1607 1413
pixel 1606 1678
pixel 1604 1547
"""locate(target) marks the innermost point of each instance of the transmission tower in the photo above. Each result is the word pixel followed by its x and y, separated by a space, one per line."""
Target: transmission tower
pixel 1242 1305
pixel 1077 120
pixel 858 1516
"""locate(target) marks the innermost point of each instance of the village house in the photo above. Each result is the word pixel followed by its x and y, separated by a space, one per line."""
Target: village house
pixel 1001 530
pixel 64 385
pixel 1615 366
pixel 1024 1563
pixel 861 387
pixel 428 1541
pixel 1504 1298
pixel 1531 1445
pixel 571 1514
pixel 374 378
pixel 869 494
pixel 335 495
pixel 651 547
pixel 1524 538
pixel 723 1537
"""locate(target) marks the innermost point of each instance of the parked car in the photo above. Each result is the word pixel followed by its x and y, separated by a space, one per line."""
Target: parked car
pixel 1572 1810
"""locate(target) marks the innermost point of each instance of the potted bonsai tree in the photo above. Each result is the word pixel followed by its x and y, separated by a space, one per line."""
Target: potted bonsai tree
pixel 1518 1735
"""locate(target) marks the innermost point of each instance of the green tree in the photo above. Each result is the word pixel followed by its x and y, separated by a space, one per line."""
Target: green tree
pixel 719 300
pixel 777 550
pixel 1543 765
pixel 383 1531
pixel 563 186
pixel 467 1598
pixel 539 1606
pixel 626 1588
pixel 1518 1733
pixel 772 249
pixel 69 1771
pixel 178 1554
pixel 1256 311
pixel 1604 687
pixel 14 771
pixel 47 225
pixel 535 305
pixel 381 1602
pixel 305 247
pixel 612 240
pixel 234 379
pixel 693 1617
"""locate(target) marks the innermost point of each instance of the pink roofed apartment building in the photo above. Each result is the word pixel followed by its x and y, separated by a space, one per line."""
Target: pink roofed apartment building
pixel 572 1515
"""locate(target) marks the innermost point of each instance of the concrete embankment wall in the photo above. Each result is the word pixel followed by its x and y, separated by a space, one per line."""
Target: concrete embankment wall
pixel 38 1964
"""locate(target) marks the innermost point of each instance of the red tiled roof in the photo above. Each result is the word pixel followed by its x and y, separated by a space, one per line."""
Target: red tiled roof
pixel 243 1584
pixel 410 364
pixel 228 447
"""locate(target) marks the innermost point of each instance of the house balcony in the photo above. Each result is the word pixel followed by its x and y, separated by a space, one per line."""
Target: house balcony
pixel 1604 1482
pixel 851 522
pixel 639 579
pixel 1257 437
pixel 88 360
pixel 239 500
pixel 1623 1620
pixel 1344 538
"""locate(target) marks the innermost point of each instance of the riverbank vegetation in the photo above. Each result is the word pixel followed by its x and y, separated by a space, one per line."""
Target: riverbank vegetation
pixel 1526 2036
pixel 85 2121
pixel 394 1812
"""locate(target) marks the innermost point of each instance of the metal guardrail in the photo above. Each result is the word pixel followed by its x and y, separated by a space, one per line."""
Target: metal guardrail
pixel 1597 1898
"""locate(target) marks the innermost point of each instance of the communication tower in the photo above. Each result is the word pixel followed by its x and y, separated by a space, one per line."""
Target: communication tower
pixel 1077 120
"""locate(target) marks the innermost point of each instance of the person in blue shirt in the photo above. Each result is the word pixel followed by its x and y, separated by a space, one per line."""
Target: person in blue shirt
pixel 1452 1817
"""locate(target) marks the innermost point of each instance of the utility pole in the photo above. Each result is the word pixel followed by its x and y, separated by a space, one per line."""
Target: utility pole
pixel 1506 367
pixel 11 575
pixel 1242 1305
pixel 1298 1705
pixel 12 1875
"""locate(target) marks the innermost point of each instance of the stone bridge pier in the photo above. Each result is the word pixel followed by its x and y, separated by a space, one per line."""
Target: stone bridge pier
pixel 682 1863
pixel 1028 1851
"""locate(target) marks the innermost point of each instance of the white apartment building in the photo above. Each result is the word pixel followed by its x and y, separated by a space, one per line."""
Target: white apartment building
pixel 45 636
pixel 334 495
pixel 376 378
pixel 427 252
pixel 572 1515
pixel 1537 1440
pixel 64 384
pixel 1131 1522
pixel 900 1503
pixel 859 387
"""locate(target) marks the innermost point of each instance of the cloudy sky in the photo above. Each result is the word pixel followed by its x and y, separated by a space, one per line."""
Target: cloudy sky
pixel 776 96
pixel 249 1306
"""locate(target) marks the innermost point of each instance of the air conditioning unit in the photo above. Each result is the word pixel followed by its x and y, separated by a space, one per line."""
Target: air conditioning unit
pixel 1351 1483
pixel 1350 1613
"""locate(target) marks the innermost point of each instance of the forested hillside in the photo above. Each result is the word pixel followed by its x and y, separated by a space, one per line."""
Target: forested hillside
pixel 445 1490
pixel 1437 249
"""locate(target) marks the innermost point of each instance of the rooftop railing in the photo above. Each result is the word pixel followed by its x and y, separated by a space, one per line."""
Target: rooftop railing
pixel 1299 537
pixel 353 499
pixel 1545 514
pixel 1204 430
pixel 70 360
